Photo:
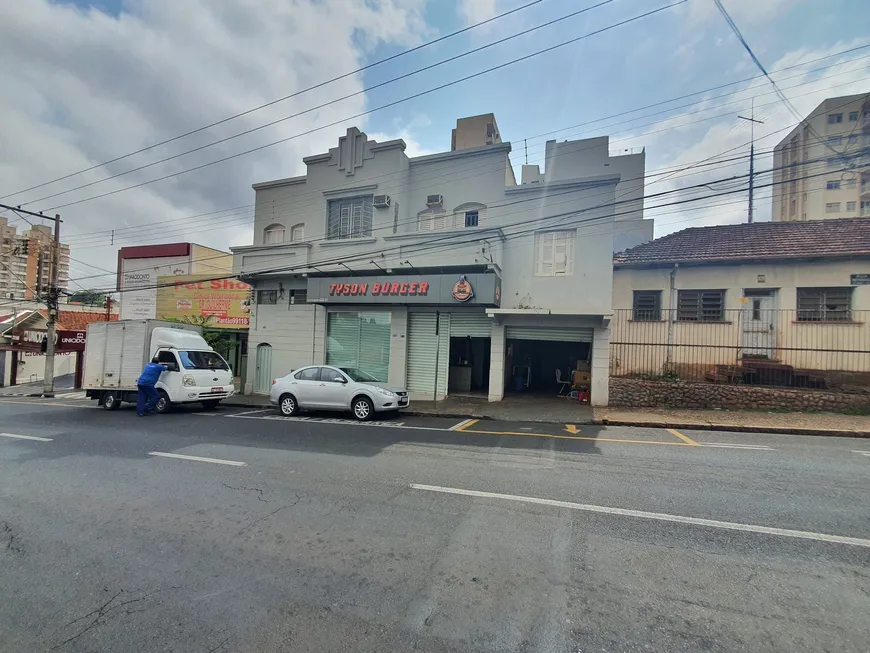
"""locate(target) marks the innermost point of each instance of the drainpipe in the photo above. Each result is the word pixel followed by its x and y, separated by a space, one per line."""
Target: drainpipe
pixel 672 303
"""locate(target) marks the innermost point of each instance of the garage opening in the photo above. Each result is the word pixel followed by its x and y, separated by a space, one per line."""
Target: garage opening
pixel 547 361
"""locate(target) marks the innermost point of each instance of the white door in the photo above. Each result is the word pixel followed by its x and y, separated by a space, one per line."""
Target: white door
pixel 333 389
pixel 306 387
pixel 263 380
pixel 759 326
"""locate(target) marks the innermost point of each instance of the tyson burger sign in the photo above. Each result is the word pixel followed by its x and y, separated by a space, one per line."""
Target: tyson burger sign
pixel 434 289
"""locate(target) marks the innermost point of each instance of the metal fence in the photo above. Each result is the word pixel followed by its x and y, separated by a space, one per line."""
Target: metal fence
pixel 752 345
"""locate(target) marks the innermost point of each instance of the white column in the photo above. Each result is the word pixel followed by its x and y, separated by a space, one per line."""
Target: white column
pixel 398 346
pixel 600 388
pixel 318 348
pixel 496 363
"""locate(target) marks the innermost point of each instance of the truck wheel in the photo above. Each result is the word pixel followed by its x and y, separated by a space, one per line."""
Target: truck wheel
pixel 111 401
pixel 163 404
pixel 211 404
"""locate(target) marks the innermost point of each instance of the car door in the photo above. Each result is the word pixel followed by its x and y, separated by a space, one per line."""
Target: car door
pixel 305 385
pixel 333 388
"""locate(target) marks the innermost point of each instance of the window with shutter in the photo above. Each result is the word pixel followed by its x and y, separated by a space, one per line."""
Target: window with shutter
pixel 647 305
pixel 554 252
pixel 824 304
pixel 349 218
pixel 273 234
pixel 297 233
pixel 701 305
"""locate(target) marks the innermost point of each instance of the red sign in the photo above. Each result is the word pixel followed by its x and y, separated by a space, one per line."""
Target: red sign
pixel 377 289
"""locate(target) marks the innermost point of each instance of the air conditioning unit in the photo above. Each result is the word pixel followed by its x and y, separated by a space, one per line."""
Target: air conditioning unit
pixel 434 200
pixel 381 201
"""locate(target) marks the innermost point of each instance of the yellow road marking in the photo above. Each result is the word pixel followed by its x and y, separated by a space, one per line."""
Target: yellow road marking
pixel 684 438
pixel 470 422
pixel 465 429
pixel 572 429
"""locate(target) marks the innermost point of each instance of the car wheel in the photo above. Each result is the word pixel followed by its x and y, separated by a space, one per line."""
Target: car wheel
pixel 163 404
pixel 288 406
pixel 111 401
pixel 211 404
pixel 363 409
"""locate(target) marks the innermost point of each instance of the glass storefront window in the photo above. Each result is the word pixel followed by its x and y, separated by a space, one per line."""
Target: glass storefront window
pixel 361 340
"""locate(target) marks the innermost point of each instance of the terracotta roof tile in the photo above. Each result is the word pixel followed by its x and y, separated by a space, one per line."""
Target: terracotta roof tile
pixel 78 321
pixel 761 240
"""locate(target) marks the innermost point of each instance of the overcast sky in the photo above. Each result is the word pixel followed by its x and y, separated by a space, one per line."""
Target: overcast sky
pixel 84 82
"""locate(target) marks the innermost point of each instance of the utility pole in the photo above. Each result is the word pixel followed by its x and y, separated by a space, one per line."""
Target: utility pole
pixel 52 299
pixel 752 122
pixel 53 296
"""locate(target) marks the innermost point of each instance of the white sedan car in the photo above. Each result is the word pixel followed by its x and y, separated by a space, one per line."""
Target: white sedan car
pixel 323 387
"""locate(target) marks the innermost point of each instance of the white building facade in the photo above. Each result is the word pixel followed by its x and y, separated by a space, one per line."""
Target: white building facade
pixel 430 272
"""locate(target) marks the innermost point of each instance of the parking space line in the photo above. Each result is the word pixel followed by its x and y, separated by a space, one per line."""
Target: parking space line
pixel 748 447
pixel 863 453
pixel 252 412
pixel 200 459
pixel 572 437
pixel 684 438
pixel 464 422
pixel 25 437
pixel 659 516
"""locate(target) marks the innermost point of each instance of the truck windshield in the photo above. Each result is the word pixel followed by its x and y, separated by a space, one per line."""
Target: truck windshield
pixel 202 360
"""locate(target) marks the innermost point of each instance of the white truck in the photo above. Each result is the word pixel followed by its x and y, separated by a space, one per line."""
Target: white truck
pixel 116 353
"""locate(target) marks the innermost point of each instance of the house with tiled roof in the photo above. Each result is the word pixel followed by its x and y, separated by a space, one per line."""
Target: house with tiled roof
pixel 780 302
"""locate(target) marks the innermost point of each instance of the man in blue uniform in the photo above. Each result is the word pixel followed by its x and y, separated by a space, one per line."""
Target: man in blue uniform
pixel 148 395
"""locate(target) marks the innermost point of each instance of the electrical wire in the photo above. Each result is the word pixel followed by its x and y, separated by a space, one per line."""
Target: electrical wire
pixel 282 99
pixel 381 107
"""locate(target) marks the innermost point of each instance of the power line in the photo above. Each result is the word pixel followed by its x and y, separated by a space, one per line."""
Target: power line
pixel 286 97
pixel 472 237
pixel 324 104
pixel 296 200
pixel 381 107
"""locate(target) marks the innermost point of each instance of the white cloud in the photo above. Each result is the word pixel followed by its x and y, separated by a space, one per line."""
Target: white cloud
pixel 476 11
pixel 86 86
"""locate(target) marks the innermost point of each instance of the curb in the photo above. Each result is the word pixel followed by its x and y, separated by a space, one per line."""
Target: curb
pixel 778 430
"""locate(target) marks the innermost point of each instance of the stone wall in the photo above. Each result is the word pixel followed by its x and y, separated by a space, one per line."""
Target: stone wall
pixel 681 394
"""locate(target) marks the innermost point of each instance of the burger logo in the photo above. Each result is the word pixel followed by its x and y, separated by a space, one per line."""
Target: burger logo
pixel 462 290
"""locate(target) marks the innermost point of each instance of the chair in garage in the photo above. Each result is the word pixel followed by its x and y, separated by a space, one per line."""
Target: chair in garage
pixel 563 384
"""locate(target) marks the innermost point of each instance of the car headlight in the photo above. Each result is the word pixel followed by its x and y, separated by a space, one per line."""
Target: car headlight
pixel 188 381
pixel 385 392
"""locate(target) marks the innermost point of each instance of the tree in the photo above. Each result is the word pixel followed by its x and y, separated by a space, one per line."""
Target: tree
pixel 215 338
pixel 88 297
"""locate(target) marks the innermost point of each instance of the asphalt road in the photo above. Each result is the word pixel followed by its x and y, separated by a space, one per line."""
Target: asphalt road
pixel 317 534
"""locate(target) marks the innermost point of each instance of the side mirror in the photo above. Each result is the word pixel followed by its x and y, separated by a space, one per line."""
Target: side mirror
pixel 341 379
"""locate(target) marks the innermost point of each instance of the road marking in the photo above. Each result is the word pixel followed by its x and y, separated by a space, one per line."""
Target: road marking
pixel 25 437
pixel 219 461
pixel 253 412
pixel 40 403
pixel 863 453
pixel 659 516
pixel 572 429
pixel 749 447
pixel 465 429
pixel 72 395
pixel 461 424
pixel 208 414
pixel 684 438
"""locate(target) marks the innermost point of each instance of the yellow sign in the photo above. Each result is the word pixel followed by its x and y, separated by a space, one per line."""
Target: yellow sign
pixel 225 301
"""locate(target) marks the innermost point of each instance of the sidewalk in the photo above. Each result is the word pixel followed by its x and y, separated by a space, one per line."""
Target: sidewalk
pixel 519 408
pixel 746 421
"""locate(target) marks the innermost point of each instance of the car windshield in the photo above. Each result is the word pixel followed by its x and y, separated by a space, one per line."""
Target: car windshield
pixel 202 360
pixel 358 375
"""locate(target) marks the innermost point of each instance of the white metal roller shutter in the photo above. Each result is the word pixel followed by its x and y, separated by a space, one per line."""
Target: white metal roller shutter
pixel 476 325
pixel 422 351
pixel 425 352
pixel 561 334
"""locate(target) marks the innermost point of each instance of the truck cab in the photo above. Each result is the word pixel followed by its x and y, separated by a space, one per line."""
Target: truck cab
pixel 196 371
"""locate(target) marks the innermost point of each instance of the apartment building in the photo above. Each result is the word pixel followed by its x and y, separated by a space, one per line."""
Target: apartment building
pixel 593 156
pixel 432 272
pixel 25 261
pixel 822 167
